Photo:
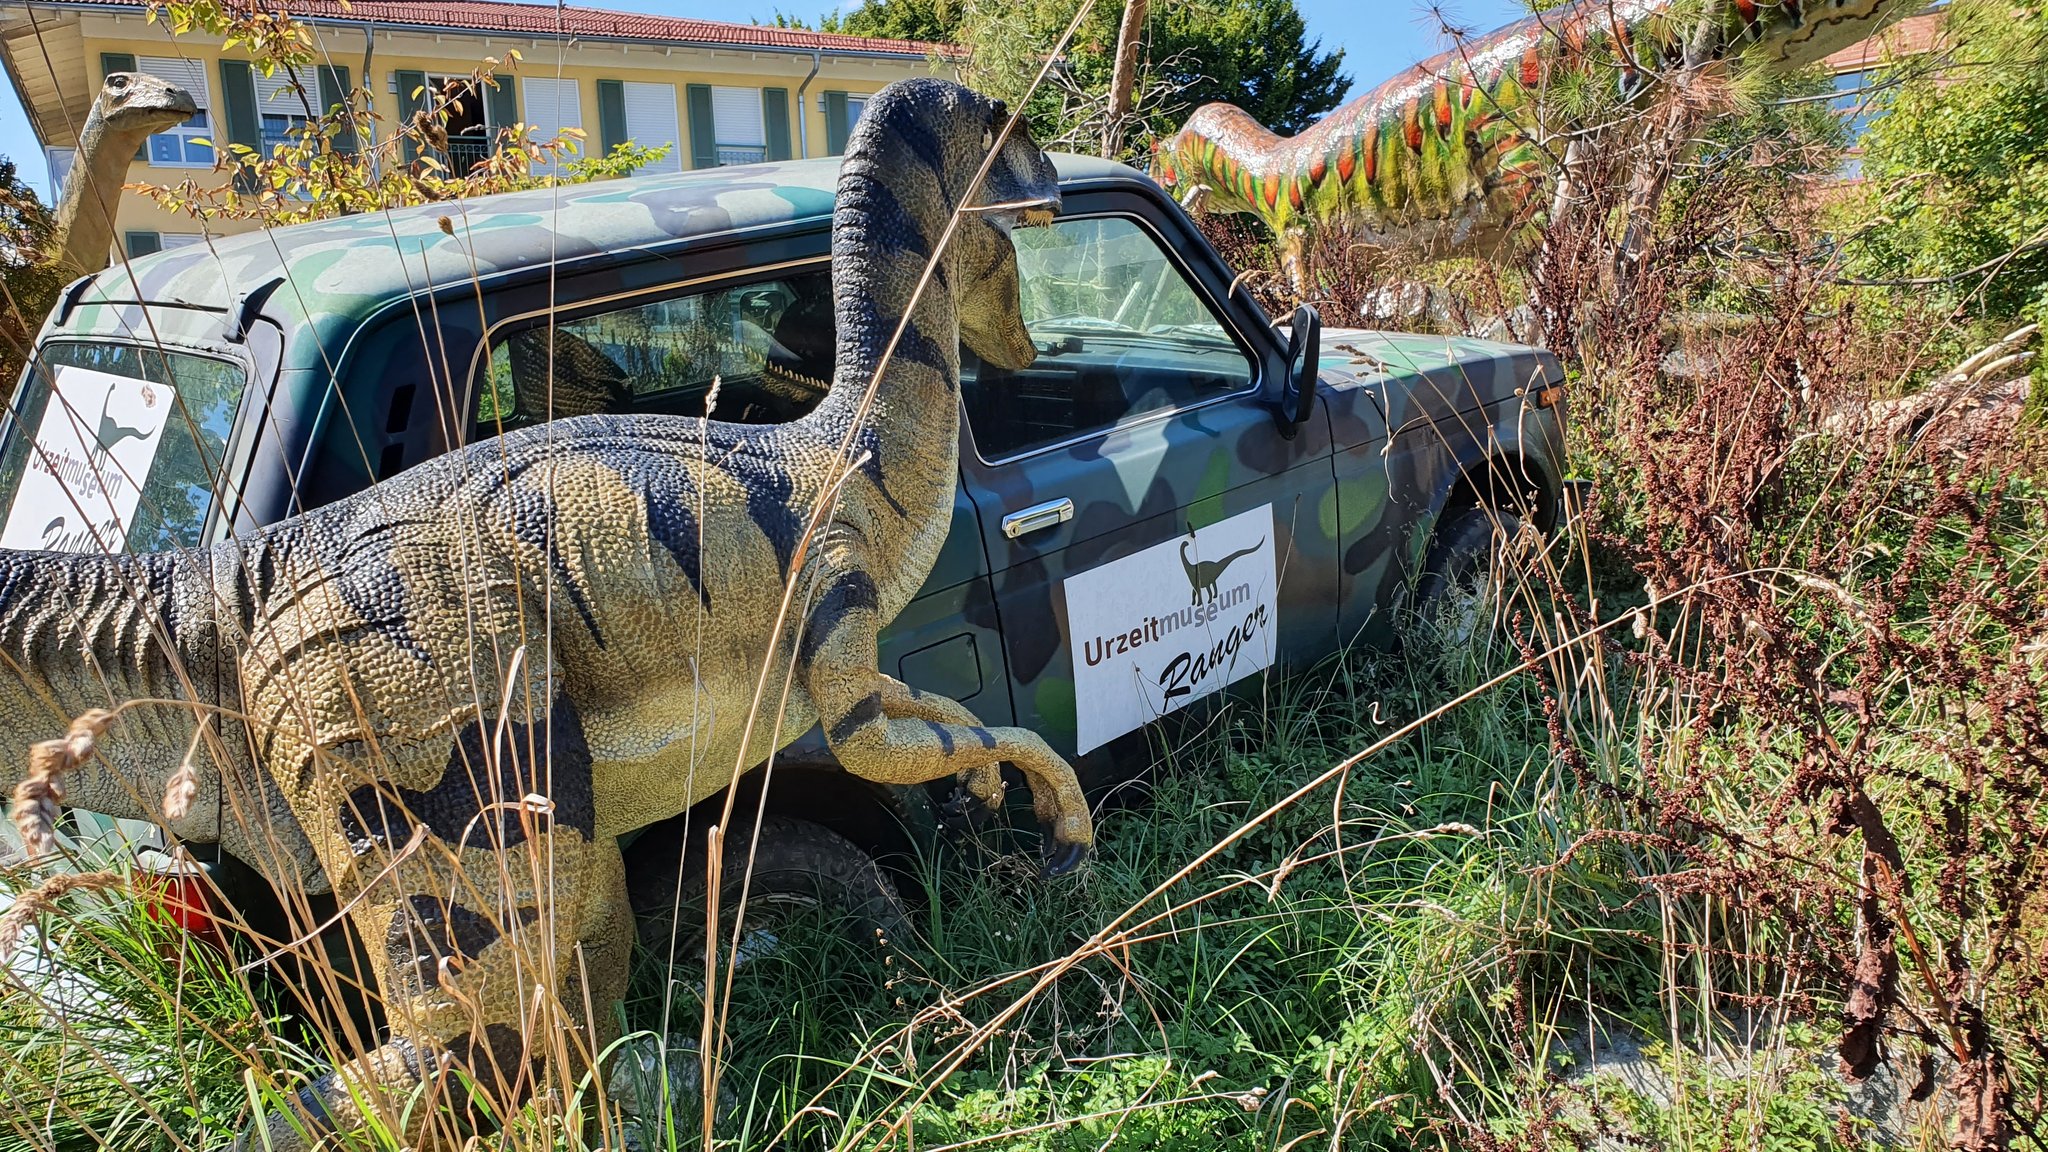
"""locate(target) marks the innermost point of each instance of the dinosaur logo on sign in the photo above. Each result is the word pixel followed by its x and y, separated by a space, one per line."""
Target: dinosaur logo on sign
pixel 1202 577
pixel 1141 651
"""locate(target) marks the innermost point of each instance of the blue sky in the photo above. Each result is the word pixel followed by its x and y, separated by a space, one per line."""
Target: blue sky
pixel 1378 36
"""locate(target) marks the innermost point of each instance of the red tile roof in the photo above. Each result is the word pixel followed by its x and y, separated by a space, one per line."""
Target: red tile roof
pixel 1913 36
pixel 500 17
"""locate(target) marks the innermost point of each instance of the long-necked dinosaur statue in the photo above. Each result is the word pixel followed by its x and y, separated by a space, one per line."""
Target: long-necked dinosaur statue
pixel 448 695
pixel 131 107
pixel 1451 156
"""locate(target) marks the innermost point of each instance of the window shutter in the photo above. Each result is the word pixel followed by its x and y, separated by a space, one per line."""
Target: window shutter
pixel 703 128
pixel 651 122
pixel 334 90
pixel 238 99
pixel 111 62
pixel 141 243
pixel 836 127
pixel 501 106
pixel 611 116
pixel 775 112
pixel 551 106
pixel 412 96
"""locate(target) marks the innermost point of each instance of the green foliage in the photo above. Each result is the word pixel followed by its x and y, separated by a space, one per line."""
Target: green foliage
pixel 934 20
pixel 1253 53
pixel 29 283
pixel 623 160
pixel 1957 169
pixel 126 1031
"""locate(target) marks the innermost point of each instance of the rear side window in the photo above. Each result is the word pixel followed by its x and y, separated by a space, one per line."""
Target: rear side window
pixel 1121 334
pixel 116 447
pixel 768 344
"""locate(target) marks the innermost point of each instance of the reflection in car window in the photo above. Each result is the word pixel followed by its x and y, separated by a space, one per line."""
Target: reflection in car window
pixel 769 344
pixel 1120 333
pixel 128 458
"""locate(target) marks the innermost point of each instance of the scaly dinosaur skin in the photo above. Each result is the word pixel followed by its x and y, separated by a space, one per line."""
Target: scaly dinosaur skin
pixel 1449 156
pixel 577 612
pixel 131 107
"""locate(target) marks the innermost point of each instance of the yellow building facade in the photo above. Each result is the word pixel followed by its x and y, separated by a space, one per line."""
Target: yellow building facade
pixel 714 93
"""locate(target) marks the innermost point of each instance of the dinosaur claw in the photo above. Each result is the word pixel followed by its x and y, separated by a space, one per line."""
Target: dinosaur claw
pixel 1064 858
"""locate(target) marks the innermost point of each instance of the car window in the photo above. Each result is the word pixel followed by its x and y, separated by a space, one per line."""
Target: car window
pixel 1120 334
pixel 769 345
pixel 116 446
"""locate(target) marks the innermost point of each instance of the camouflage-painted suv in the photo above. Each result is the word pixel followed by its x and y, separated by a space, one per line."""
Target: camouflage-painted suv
pixel 1145 515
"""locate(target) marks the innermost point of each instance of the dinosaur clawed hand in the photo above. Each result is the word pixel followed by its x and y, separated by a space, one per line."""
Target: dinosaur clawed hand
pixel 1063 855
pixel 1070 835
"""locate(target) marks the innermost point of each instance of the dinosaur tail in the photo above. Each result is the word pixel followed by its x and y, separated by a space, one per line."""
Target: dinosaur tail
pixel 82 631
pixel 1240 554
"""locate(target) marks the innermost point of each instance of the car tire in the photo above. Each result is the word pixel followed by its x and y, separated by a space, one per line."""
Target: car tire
pixel 1469 545
pixel 799 868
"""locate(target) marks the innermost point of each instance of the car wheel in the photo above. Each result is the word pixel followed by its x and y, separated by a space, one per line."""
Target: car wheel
pixel 1470 545
pixel 804 874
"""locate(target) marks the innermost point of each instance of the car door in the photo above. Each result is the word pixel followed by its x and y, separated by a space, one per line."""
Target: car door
pixel 1153 529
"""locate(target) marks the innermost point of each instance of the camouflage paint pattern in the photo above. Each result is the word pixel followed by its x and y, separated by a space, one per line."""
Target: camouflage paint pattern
pixel 1353 505
pixel 1451 155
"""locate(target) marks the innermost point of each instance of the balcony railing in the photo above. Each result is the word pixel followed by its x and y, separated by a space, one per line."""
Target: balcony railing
pixel 741 154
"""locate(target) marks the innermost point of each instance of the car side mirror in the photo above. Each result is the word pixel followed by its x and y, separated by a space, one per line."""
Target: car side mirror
pixel 1304 349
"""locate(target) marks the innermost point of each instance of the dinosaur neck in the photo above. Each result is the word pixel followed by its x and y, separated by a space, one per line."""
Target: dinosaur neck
pixel 84 231
pixel 890 213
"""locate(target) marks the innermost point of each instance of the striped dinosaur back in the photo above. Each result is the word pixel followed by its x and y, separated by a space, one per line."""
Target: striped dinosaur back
pixel 1447 153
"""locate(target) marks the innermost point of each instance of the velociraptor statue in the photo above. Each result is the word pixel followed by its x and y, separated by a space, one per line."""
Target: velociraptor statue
pixel 448 695
pixel 1449 157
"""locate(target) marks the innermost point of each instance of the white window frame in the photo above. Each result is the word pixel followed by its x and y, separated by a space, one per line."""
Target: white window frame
pixel 741 139
pixel 651 129
pixel 60 161
pixel 191 76
pixel 276 101
pixel 547 112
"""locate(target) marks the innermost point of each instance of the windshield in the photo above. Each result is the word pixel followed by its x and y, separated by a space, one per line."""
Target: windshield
pixel 127 455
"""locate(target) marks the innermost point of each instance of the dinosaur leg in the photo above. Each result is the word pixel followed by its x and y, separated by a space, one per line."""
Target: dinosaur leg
pixel 923 741
pixel 492 915
pixel 902 702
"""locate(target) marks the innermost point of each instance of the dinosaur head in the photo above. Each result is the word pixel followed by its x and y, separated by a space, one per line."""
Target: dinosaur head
pixel 926 139
pixel 138 103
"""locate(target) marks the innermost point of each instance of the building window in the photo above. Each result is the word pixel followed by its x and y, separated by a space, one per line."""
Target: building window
pixel 469 126
pixel 60 161
pixel 740 129
pixel 280 108
pixel 551 106
pixel 855 105
pixel 185 145
pixel 651 122
pixel 1853 101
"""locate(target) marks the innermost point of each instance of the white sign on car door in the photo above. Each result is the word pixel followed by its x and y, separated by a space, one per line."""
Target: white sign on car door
pixel 91 456
pixel 1162 628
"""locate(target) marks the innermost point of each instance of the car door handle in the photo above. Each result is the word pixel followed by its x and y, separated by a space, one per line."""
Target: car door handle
pixel 1038 516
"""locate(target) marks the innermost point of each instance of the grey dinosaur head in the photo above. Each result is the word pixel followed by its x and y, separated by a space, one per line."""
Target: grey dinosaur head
pixel 948 130
pixel 139 102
